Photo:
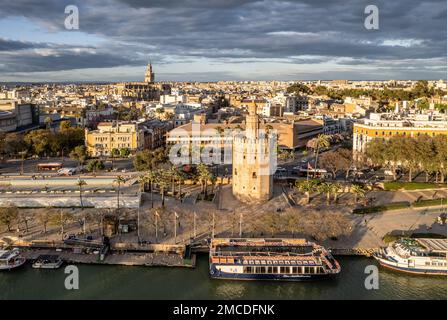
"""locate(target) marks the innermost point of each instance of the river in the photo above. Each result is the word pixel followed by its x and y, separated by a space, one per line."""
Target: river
pixel 119 282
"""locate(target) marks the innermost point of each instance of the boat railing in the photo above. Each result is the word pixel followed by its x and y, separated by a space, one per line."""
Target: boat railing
pixel 258 253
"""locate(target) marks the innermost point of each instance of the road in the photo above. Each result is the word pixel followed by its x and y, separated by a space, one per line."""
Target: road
pixel 14 166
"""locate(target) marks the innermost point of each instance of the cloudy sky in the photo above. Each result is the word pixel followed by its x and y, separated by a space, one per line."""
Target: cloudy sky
pixel 210 40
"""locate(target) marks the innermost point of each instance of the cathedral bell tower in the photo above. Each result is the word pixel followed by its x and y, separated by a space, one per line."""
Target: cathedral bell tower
pixel 149 76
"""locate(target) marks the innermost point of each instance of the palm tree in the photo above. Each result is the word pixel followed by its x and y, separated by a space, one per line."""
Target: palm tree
pixel 119 180
pixel 307 187
pixel 326 188
pixel 335 189
pixel 80 183
pixel 162 181
pixel 204 176
pixel 358 191
pixel 151 175
pixel 321 141
pixel 175 176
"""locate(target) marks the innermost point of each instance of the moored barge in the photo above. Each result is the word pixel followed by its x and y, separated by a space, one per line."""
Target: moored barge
pixel 270 259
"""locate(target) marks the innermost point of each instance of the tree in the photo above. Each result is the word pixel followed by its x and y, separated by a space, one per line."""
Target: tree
pixel 150 177
pixel 23 218
pixel 79 154
pixel 95 165
pixel 294 222
pixel 271 223
pixel 335 188
pixel 306 186
pixel 422 89
pixel 358 191
pixel 81 183
pixel 13 143
pixel 48 122
pixel 298 89
pixel 8 214
pixel 60 219
pixel 119 180
pixel 149 159
pixel 162 180
pixel 335 161
pixel 327 225
pixel 375 152
pixel 410 156
pixel 426 155
pixel 43 216
pixel 115 153
pixel 124 152
pixel 39 141
pixel 325 188
pixel 321 141
pixel 440 143
pixel 204 175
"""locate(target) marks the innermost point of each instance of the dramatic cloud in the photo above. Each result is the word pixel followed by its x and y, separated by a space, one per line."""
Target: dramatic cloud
pixel 237 38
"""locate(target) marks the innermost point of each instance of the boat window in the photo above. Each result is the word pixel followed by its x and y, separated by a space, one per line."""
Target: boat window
pixel 294 269
pixel 284 269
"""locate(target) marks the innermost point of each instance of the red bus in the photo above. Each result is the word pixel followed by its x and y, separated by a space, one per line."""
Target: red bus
pixel 51 166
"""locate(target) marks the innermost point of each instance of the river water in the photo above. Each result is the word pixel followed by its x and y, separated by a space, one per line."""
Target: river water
pixel 113 282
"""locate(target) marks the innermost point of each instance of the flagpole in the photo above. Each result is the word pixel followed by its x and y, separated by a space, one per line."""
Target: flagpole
pixel 156 226
pixel 175 227
pixel 195 231
pixel 138 224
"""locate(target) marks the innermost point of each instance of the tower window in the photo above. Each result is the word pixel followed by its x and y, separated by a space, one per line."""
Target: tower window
pixel 254 176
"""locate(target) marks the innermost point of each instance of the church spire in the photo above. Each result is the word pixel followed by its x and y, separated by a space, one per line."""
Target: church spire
pixel 149 76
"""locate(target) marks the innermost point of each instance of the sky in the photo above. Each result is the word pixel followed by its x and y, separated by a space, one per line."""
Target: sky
pixel 212 40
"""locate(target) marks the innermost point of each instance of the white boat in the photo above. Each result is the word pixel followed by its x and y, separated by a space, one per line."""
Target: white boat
pixel 417 256
pixel 48 262
pixel 270 259
pixel 11 259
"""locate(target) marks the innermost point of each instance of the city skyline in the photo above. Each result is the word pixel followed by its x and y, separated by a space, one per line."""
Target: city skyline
pixel 250 40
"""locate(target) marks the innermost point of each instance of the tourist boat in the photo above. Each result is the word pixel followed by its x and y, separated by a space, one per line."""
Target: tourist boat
pixel 417 256
pixel 270 259
pixel 48 262
pixel 11 259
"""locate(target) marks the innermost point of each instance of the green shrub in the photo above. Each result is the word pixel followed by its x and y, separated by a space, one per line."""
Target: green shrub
pixel 386 207
pixel 430 202
pixel 393 186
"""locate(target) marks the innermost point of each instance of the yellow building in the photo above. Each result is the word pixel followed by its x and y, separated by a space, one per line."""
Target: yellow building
pixel 254 162
pixel 113 135
pixel 385 125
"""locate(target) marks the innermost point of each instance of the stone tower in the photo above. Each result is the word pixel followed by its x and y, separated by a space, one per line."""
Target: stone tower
pixel 252 162
pixel 149 76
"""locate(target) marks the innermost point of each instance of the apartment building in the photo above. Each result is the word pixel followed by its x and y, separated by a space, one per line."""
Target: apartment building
pixel 114 135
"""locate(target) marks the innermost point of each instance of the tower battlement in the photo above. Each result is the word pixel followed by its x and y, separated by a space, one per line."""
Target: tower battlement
pixel 252 162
